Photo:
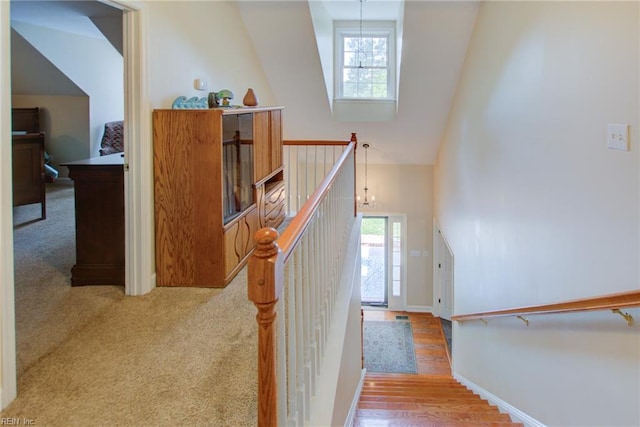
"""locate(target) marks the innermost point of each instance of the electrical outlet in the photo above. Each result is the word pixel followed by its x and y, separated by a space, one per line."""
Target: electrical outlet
pixel 618 137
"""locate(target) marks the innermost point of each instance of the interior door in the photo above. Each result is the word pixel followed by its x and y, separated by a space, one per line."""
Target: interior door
pixel 444 276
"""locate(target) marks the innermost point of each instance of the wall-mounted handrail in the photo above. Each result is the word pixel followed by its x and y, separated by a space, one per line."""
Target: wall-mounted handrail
pixel 612 302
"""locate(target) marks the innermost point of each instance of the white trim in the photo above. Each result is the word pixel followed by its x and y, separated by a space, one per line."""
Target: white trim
pixel 140 275
pixel 517 415
pixel 437 258
pixel 436 272
pixel 356 398
pixel 419 308
pixel 9 389
pixel 139 230
pixel 369 28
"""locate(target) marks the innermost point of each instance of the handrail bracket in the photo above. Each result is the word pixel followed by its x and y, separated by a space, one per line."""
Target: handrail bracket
pixel 524 319
pixel 626 316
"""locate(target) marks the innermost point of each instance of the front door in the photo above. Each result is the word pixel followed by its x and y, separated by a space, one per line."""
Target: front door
pixel 374 263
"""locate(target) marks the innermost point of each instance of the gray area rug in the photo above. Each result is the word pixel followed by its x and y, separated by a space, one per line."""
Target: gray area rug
pixel 388 347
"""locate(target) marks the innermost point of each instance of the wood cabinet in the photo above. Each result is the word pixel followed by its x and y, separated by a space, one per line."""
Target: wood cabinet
pixel 268 155
pixel 99 212
pixel 212 171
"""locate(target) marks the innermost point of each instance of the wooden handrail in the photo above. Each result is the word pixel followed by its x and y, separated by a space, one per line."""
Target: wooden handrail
pixel 603 302
pixel 315 142
pixel 290 236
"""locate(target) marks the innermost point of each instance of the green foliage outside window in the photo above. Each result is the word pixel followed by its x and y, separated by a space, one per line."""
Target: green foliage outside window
pixel 365 69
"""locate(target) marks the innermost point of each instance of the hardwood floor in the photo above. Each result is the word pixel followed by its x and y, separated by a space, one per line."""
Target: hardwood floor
pixel 432 397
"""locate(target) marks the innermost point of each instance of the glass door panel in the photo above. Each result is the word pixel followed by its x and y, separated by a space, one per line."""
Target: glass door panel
pixel 373 261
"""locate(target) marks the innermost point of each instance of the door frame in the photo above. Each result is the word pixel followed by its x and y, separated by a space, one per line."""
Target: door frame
pixel 394 303
pixel 439 282
pixel 139 246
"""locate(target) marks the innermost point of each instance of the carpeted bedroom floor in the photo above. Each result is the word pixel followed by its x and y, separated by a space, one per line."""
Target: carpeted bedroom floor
pixel 91 356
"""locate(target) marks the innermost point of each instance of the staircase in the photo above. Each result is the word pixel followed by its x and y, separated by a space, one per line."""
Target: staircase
pixel 423 400
pixel 430 398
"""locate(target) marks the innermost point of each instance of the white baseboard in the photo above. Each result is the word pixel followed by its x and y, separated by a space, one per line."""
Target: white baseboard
pixel 420 308
pixel 354 403
pixel 516 414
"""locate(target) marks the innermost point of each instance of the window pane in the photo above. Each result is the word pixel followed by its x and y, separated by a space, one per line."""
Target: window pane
pixel 396 288
pixel 350 58
pixel 365 66
pixel 379 59
pixel 350 90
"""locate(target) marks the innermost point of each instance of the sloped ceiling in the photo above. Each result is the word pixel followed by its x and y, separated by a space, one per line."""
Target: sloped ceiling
pixel 28 67
pixel 435 38
pixel 87 18
pixel 32 73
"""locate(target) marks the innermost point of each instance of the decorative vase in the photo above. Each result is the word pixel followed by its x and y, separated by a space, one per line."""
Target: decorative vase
pixel 250 99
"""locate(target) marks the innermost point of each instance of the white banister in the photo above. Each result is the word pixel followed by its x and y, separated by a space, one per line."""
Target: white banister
pixel 294 279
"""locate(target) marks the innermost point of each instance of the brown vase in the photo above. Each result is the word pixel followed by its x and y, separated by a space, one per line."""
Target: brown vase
pixel 250 99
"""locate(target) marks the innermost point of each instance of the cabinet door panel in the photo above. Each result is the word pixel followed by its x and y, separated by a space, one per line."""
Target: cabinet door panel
pixel 262 155
pixel 275 140
pixel 231 257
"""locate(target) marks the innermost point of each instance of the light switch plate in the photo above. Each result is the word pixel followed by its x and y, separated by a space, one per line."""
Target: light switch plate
pixel 618 137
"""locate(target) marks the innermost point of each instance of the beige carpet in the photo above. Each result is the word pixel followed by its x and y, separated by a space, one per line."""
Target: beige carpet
pixel 90 356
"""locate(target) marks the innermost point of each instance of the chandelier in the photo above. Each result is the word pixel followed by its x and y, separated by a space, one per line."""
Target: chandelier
pixel 366 202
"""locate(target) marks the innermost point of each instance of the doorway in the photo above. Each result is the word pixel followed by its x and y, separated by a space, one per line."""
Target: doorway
pixel 373 250
pixel 383 255
pixel 138 230
pixel 443 270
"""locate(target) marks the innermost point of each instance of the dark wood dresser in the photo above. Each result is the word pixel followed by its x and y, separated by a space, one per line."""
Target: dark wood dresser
pixel 28 158
pixel 99 205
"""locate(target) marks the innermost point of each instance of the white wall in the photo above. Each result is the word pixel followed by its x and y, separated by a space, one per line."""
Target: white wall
pixel 538 210
pixel 94 65
pixel 406 189
pixel 201 40
pixel 65 121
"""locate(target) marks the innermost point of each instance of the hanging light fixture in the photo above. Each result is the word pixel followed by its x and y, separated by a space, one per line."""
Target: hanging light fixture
pixel 366 202
pixel 360 52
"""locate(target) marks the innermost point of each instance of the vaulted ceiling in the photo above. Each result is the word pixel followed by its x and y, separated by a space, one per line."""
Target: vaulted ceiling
pixel 434 42
pixel 435 38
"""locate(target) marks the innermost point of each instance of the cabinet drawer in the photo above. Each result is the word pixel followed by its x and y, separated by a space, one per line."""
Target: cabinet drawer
pixel 275 218
pixel 274 199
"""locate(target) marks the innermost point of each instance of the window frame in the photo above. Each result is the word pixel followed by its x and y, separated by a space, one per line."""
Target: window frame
pixel 344 29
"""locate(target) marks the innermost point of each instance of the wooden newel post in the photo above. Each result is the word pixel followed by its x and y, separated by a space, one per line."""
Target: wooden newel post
pixel 262 290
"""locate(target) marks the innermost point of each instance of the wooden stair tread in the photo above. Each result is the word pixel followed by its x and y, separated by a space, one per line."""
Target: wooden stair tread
pixel 430 398
pixel 409 423
pixel 431 415
pixel 454 405
pixel 426 400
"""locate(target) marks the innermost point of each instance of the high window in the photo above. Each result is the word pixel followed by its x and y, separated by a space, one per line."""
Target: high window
pixel 365 60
